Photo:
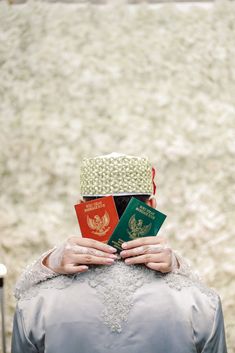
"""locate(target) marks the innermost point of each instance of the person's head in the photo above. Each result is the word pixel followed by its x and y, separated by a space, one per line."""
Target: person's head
pixel 118 175
pixel 121 202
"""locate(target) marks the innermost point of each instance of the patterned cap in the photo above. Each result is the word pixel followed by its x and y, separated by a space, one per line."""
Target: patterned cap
pixel 116 174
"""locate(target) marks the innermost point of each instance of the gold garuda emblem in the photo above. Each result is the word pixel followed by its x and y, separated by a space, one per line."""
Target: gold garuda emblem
pixel 137 228
pixel 99 225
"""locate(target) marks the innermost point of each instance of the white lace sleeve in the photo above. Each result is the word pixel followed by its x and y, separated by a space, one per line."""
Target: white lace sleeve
pixel 185 268
pixel 33 274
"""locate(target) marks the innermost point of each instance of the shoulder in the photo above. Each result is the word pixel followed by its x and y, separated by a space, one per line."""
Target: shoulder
pixel 195 290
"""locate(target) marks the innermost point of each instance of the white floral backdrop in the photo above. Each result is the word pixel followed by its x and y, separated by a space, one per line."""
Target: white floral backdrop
pixel 84 80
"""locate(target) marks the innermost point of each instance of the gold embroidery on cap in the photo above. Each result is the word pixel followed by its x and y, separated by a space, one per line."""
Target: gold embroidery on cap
pixel 115 175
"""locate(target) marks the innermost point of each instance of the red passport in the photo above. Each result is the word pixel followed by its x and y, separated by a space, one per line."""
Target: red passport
pixel 97 218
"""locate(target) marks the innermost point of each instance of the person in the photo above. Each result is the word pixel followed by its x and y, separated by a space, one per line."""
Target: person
pixel 82 297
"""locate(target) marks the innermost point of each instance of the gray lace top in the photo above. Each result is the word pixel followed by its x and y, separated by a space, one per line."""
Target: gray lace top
pixel 118 308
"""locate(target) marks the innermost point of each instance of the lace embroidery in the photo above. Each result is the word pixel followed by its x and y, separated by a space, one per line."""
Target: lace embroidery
pixel 33 274
pixel 115 286
pixel 185 268
pixel 58 282
pixel 179 281
pixel 36 273
pixel 184 276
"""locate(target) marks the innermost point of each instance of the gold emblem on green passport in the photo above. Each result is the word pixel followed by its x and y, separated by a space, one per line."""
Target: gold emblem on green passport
pixel 138 220
pixel 99 225
pixel 137 228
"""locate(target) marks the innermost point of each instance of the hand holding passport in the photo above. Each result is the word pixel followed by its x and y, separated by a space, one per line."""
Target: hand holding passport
pixel 98 219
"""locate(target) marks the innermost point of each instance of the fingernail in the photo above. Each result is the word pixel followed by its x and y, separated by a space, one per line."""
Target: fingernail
pixel 124 245
pixel 113 256
pixel 83 268
pixel 112 249
pixel 123 253
pixel 110 261
pixel 127 261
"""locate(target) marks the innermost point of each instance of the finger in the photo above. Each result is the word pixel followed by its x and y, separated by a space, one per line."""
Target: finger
pixel 87 259
pixel 144 259
pixel 145 249
pixel 91 243
pixel 143 241
pixel 70 269
pixel 161 267
pixel 77 249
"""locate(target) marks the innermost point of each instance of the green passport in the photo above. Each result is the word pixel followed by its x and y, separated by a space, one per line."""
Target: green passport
pixel 138 220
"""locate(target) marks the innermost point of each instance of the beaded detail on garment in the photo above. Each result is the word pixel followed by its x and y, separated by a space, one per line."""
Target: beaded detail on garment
pixel 115 286
pixel 177 281
pixel 36 273
pixel 32 275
